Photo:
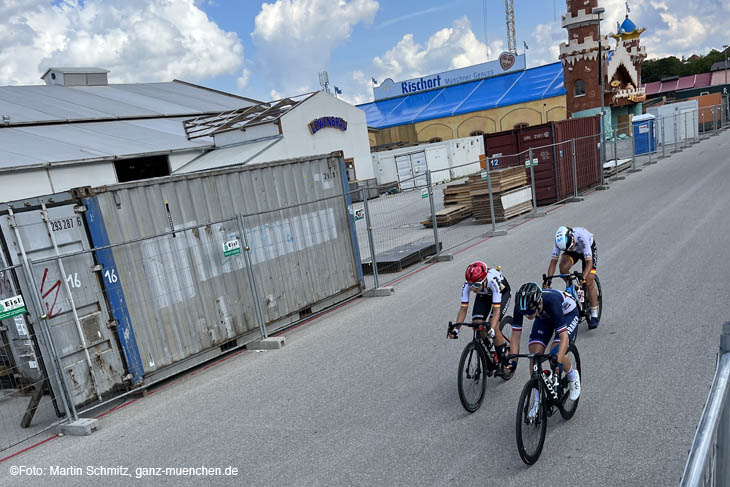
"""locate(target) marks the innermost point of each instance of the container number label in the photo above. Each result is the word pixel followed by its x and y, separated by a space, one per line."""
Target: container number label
pixel 111 276
pixel 12 307
pixel 232 247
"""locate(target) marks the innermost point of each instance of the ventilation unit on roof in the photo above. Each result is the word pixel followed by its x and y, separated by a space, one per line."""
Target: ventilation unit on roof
pixel 76 76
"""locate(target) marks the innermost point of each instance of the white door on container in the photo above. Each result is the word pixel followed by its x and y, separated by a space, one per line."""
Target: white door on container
pixel 405 173
pixel 418 163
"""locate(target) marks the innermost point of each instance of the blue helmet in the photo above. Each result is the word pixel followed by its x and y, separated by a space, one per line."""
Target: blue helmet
pixel 564 238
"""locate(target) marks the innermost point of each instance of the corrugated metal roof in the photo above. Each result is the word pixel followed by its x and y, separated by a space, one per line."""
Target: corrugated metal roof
pixel 531 84
pixel 43 144
pixel 230 156
pixel 54 103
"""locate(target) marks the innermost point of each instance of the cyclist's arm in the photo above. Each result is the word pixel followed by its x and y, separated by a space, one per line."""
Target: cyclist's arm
pixel 553 261
pixel 496 304
pixel 461 315
pixel 514 344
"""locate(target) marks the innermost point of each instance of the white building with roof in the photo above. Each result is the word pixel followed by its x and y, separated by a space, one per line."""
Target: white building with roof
pixel 78 130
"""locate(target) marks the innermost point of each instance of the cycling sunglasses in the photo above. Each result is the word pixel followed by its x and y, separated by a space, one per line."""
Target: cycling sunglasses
pixel 478 284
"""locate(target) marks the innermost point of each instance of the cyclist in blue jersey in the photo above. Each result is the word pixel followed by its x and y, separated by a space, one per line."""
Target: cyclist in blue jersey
pixel 577 244
pixel 553 311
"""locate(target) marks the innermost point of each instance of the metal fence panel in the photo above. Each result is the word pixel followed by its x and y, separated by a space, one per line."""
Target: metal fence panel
pixel 32 398
pixel 184 295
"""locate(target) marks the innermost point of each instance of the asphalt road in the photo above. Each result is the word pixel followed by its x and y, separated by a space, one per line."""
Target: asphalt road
pixel 366 395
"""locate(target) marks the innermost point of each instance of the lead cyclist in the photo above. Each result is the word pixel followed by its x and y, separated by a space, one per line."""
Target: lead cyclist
pixel 577 244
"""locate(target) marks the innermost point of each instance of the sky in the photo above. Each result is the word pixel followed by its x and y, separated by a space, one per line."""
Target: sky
pixel 273 49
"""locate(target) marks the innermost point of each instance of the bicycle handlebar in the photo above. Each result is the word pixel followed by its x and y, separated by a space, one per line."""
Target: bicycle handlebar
pixel 470 325
pixel 574 275
pixel 538 356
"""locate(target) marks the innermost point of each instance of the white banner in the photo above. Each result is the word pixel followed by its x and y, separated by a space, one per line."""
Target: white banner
pixel 506 63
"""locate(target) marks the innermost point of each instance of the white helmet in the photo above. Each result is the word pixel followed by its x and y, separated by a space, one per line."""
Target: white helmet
pixel 564 238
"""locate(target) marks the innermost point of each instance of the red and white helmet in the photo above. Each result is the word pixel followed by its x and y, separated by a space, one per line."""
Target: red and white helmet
pixel 476 272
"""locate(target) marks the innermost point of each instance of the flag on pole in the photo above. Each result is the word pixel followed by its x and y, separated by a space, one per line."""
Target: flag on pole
pixel 628 10
pixel 375 82
pixel 525 44
pixel 338 91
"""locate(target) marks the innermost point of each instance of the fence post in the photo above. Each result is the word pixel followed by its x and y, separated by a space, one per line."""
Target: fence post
pixel 703 122
pixel 534 212
pixel 493 232
pixel 373 258
pixel 663 139
pixel 434 223
pixel 575 197
pixel 616 177
pixel 252 278
pixel 602 185
pixel 695 122
pixel 676 131
pixel 714 120
pixel 633 152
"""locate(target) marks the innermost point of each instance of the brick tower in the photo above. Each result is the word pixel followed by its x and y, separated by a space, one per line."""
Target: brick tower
pixel 580 56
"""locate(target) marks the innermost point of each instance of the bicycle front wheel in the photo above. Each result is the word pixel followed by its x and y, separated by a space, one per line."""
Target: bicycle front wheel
pixel 567 407
pixel 531 422
pixel 472 376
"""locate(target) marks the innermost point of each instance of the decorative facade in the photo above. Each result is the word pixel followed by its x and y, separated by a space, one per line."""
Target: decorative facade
pixel 579 56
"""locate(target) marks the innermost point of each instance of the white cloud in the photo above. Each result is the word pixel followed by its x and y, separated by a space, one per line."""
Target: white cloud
pixel 449 48
pixel 137 40
pixel 242 81
pixel 295 38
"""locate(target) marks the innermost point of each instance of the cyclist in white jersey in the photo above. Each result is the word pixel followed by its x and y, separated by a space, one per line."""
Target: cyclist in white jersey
pixel 577 244
pixel 492 293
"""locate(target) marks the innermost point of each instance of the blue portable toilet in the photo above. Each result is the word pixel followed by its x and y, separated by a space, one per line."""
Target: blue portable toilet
pixel 644 134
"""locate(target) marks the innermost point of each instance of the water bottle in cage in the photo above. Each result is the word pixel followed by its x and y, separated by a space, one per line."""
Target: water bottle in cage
pixel 581 294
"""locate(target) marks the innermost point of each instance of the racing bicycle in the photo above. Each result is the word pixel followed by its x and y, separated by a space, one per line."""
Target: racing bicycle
pixel 479 361
pixel 575 286
pixel 551 384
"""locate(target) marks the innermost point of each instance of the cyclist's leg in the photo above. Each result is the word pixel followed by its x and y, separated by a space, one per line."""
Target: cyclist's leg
pixel 480 310
pixel 567 260
pixel 569 323
pixel 539 337
pixel 589 276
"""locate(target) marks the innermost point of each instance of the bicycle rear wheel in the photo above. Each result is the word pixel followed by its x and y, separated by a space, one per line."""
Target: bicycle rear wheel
pixel 567 407
pixel 531 422
pixel 472 376
pixel 600 296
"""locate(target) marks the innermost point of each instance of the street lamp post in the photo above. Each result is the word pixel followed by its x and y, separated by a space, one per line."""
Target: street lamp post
pixel 599 11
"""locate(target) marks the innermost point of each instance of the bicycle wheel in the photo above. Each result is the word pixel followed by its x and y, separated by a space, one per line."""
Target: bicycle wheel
pixel 505 326
pixel 472 376
pixel 531 428
pixel 567 407
pixel 600 296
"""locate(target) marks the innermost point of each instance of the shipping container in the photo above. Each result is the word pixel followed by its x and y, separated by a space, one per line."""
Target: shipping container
pixel 447 160
pixel 553 150
pixel 678 121
pixel 139 281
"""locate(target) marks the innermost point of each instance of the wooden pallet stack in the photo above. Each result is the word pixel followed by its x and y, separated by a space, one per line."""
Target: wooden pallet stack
pixel 510 193
pixel 472 197
pixel 448 216
pixel 457 194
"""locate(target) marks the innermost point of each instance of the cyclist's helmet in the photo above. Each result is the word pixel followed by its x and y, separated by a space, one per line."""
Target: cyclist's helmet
pixel 476 272
pixel 564 238
pixel 529 297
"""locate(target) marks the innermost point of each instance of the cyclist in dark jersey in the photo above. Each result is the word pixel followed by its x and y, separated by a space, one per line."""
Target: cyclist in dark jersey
pixel 553 311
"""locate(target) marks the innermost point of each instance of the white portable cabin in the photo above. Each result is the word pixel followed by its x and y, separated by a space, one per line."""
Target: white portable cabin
pixel 677 119
pixel 446 160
